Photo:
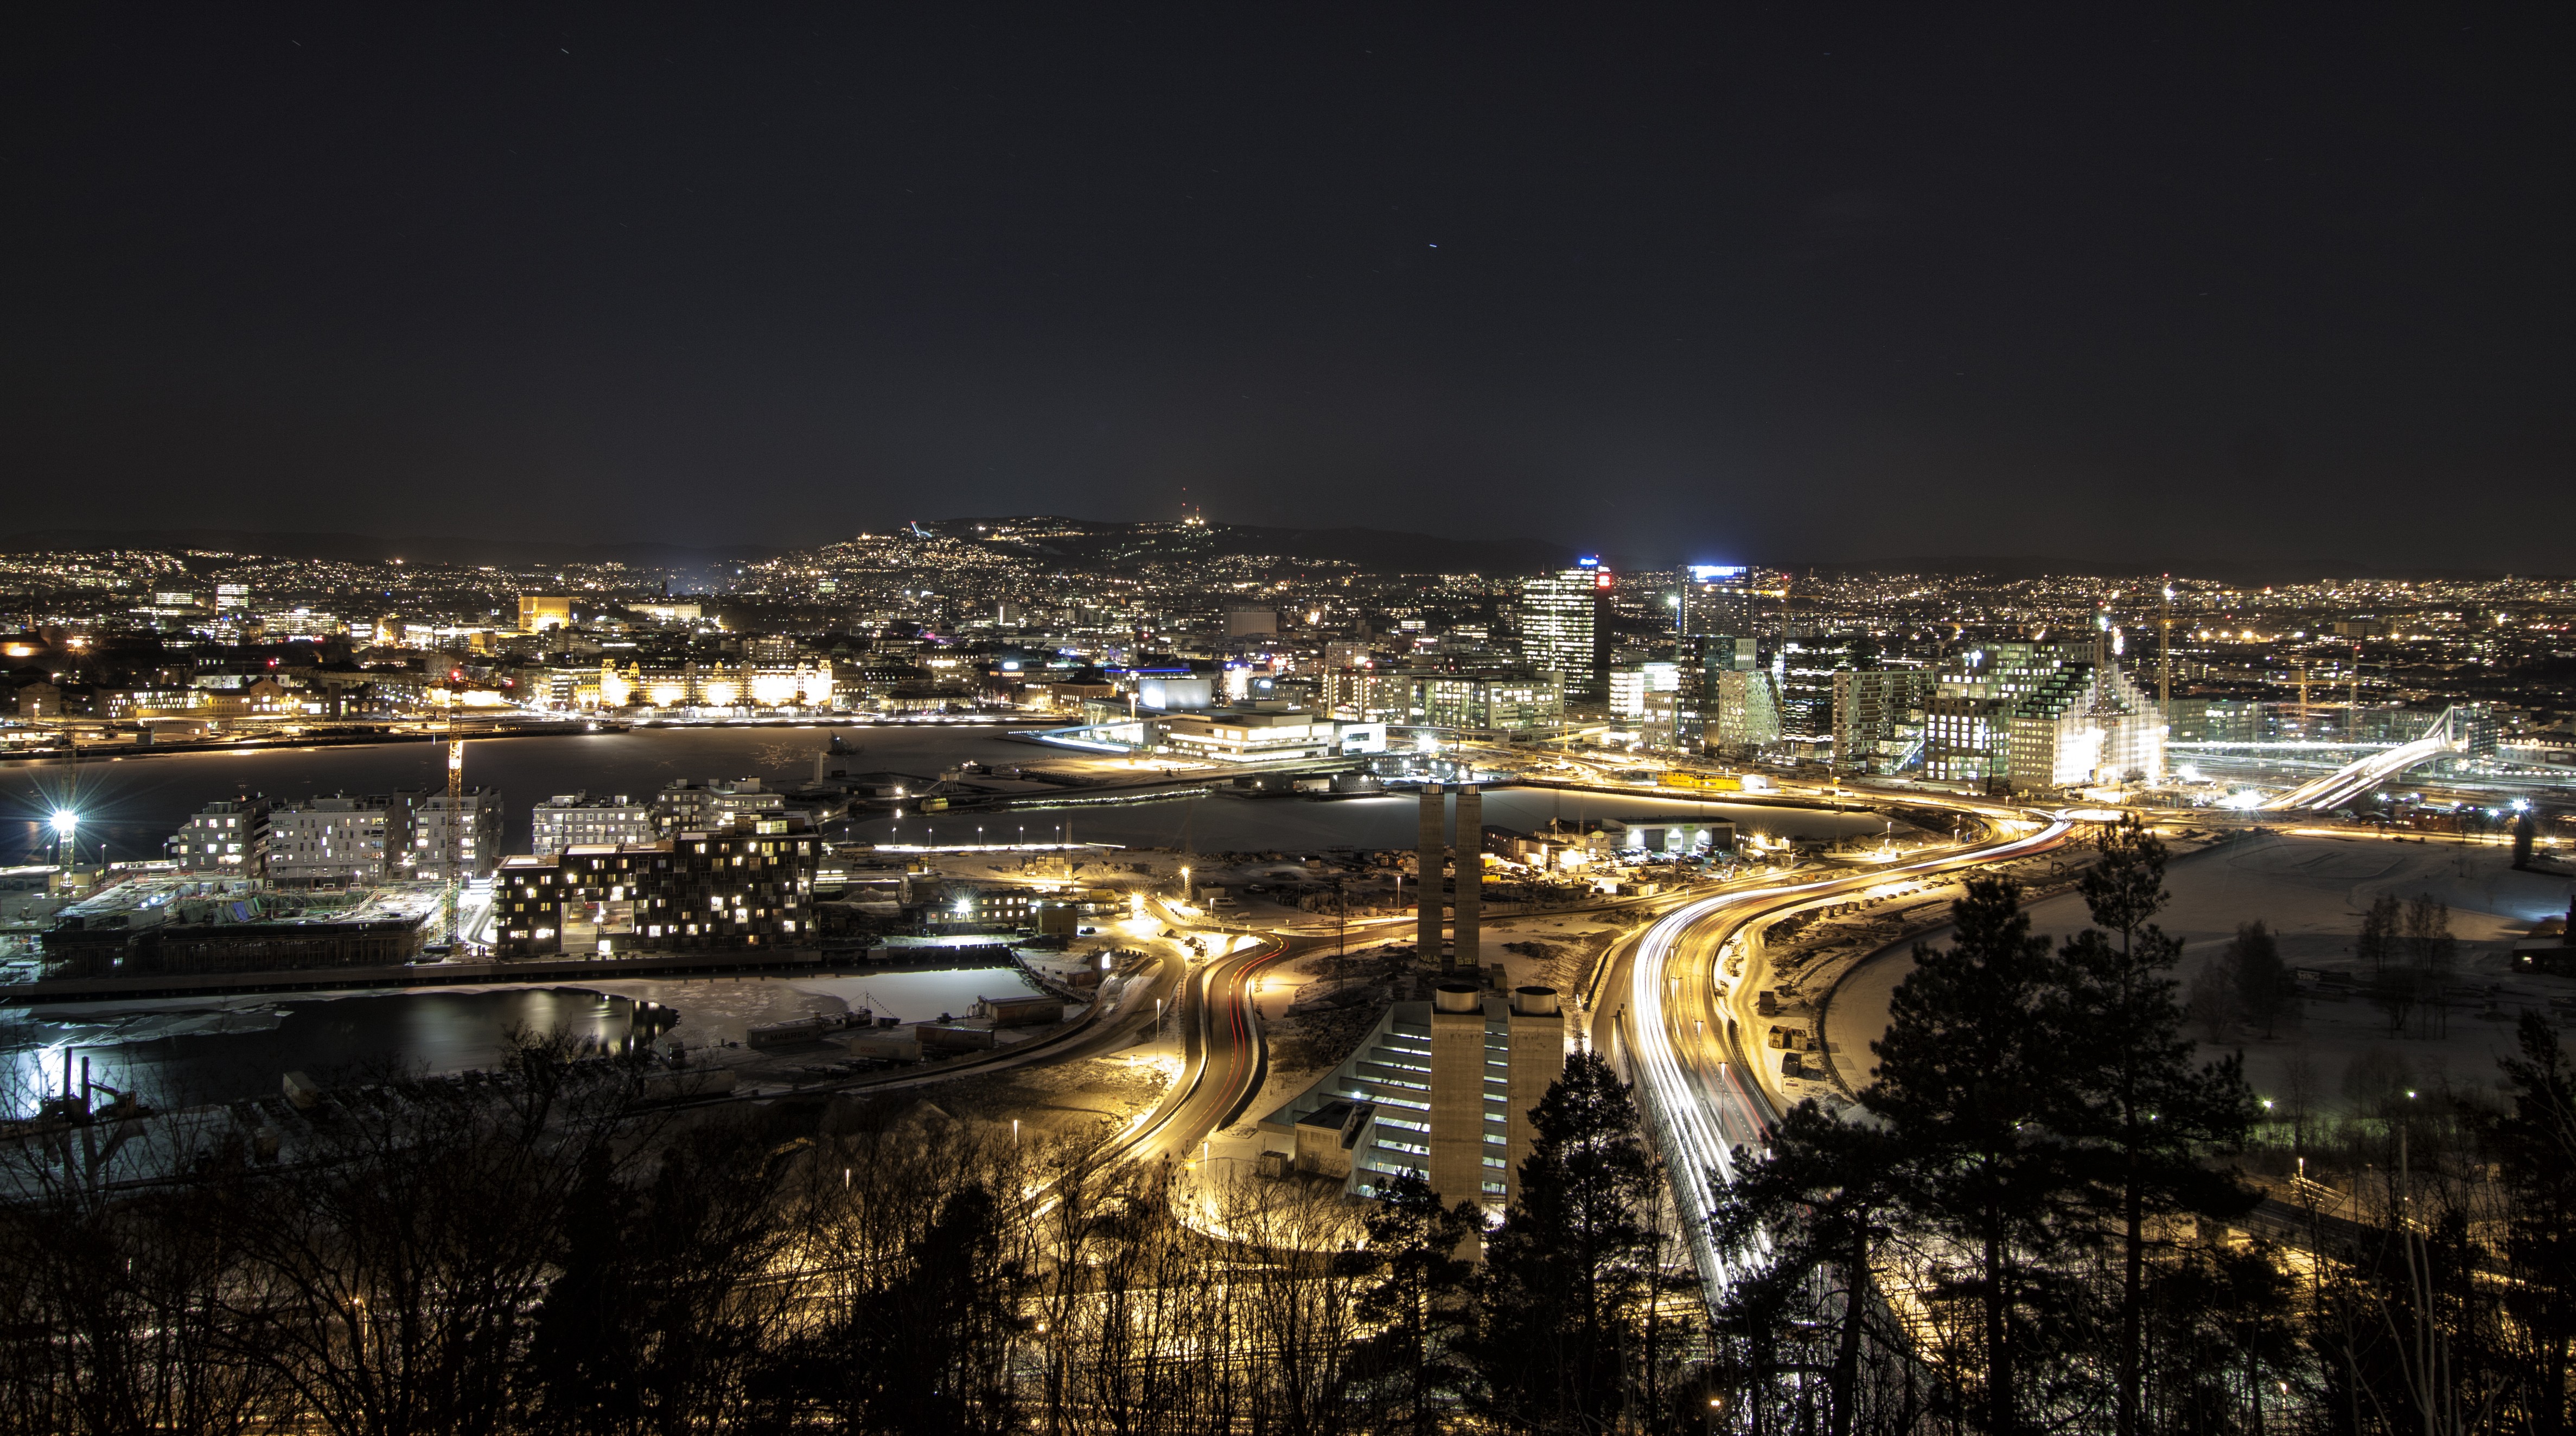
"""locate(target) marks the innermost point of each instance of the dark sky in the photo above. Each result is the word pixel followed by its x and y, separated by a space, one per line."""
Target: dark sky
pixel 1697 282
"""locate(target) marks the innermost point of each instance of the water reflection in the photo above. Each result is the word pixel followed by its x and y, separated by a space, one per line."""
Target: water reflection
pixel 174 1055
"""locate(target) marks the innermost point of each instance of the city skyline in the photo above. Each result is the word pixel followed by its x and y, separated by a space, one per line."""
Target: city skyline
pixel 1499 721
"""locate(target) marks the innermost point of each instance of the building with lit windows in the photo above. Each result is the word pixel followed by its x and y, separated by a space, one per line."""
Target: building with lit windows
pixel 1743 712
pixel 337 839
pixel 466 844
pixel 1562 627
pixel 1717 599
pixel 1369 694
pixel 1879 718
pixel 689 803
pixel 227 837
pixel 1963 739
pixel 746 886
pixel 1631 682
pixel 2088 725
pixel 569 818
pixel 1487 702
pixel 1802 675
pixel 2035 717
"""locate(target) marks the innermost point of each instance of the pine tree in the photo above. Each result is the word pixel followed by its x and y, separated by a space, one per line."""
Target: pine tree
pixel 1417 1296
pixel 1800 1229
pixel 1967 1081
pixel 1566 1274
pixel 2536 1144
pixel 2138 1114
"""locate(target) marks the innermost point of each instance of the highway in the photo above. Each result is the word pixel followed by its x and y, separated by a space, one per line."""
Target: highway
pixel 1685 1029
pixel 1663 1003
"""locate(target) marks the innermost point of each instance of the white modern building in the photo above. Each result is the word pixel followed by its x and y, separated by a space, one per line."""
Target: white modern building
pixel 569 818
pixel 331 840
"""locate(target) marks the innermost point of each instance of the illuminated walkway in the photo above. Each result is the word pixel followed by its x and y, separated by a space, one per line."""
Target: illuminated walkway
pixel 2448 735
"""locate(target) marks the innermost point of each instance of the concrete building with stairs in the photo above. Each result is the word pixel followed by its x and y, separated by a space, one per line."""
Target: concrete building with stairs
pixel 1443 1088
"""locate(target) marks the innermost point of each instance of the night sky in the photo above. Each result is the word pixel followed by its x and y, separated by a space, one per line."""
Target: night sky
pixel 1679 283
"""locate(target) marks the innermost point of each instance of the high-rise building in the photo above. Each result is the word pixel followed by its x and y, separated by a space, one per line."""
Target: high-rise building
pixel 1716 598
pixel 1743 713
pixel 1879 718
pixel 1803 672
pixel 1563 627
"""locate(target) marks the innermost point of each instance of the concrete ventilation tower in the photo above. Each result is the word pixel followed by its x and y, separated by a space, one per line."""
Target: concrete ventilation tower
pixel 1467 948
pixel 1428 855
pixel 1480 1127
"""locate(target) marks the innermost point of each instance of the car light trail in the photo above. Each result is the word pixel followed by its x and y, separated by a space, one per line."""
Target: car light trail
pixel 1687 1111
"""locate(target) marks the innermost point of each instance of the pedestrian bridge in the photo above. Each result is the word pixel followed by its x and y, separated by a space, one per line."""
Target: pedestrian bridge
pixel 2449 735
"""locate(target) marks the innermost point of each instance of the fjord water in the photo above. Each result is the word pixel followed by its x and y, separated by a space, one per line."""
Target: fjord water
pixel 221 1050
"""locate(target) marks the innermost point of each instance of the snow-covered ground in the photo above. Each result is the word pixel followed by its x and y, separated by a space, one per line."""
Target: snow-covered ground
pixel 2312 892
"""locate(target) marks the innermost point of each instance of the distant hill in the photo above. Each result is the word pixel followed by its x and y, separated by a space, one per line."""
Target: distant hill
pixel 2235 571
pixel 1109 544
pixel 1081 541
pixel 1094 542
pixel 376 548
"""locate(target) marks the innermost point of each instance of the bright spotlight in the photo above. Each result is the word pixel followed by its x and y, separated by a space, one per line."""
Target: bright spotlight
pixel 65 820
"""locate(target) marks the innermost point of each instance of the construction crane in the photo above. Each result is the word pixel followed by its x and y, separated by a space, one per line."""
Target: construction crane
pixel 453 858
pixel 2164 653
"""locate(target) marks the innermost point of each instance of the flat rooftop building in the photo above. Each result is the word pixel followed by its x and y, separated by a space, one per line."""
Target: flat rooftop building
pixel 190 924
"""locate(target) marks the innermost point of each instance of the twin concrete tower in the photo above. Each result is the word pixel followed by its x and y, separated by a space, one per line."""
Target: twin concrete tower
pixel 1431 855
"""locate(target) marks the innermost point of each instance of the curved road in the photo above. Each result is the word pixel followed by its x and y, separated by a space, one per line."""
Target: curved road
pixel 1667 1006
pixel 1684 1023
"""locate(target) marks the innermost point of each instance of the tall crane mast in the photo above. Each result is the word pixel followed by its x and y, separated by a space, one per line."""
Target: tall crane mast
pixel 452 859
pixel 2164 652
